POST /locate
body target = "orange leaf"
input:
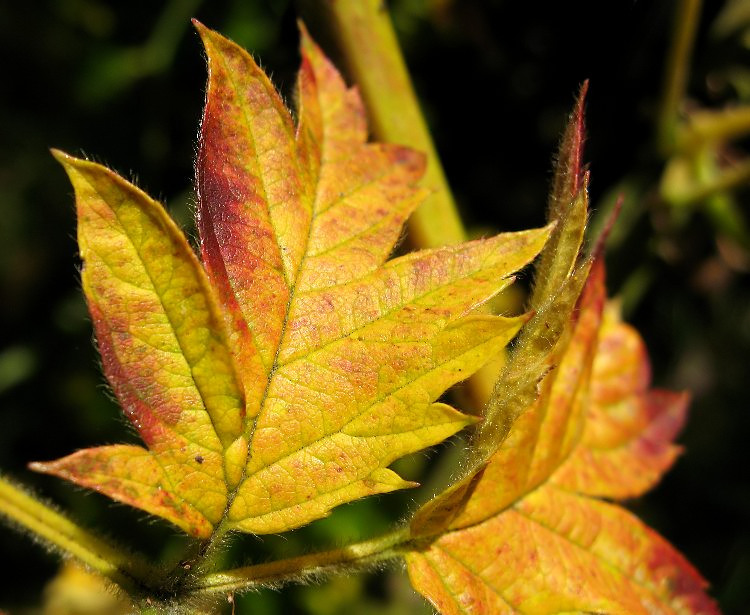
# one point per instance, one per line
(530, 537)
(628, 425)
(282, 376)
(521, 531)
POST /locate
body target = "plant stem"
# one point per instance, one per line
(687, 15)
(356, 556)
(365, 36)
(60, 533)
(709, 127)
(713, 181)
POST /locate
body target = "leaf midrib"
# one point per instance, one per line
(219, 529)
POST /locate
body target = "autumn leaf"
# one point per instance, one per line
(534, 537)
(523, 529)
(280, 376)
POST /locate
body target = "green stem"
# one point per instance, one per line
(356, 556)
(63, 535)
(365, 36)
(707, 127)
(687, 15)
(719, 181)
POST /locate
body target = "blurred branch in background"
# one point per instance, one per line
(364, 35)
(677, 70)
(702, 171)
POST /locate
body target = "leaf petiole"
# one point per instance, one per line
(303, 568)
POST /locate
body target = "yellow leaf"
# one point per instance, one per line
(283, 376)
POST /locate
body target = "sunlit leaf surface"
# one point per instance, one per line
(281, 376)
(532, 537)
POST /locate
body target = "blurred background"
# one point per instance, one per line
(123, 84)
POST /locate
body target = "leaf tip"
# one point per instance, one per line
(207, 34)
(580, 104)
(65, 159)
(43, 467)
(578, 136)
(550, 226)
(470, 420)
(304, 34)
(200, 28)
(545, 234)
(569, 169)
(72, 164)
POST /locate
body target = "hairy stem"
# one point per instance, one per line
(61, 534)
(356, 556)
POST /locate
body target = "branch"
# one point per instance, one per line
(61, 534)
(365, 36)
(687, 15)
(353, 557)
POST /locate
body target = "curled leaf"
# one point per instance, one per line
(530, 537)
(571, 419)
(559, 278)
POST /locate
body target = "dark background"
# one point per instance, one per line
(123, 83)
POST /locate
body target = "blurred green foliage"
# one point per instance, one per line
(123, 82)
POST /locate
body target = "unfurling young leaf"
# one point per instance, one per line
(533, 537)
(522, 530)
(543, 339)
(280, 377)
